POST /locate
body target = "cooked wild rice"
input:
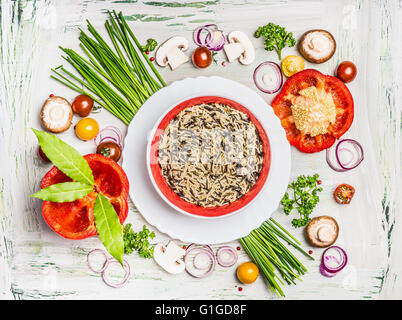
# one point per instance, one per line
(210, 154)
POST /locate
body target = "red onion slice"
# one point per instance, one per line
(203, 251)
(214, 39)
(357, 152)
(327, 261)
(276, 83)
(220, 256)
(205, 246)
(325, 273)
(110, 133)
(105, 264)
(107, 281)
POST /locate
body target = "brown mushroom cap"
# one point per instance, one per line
(313, 227)
(49, 109)
(305, 51)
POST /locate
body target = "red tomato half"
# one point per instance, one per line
(344, 109)
(75, 220)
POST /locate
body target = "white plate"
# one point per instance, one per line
(187, 228)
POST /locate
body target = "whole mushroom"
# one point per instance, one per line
(317, 45)
(322, 231)
(56, 114)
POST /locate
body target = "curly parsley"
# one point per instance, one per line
(150, 46)
(305, 198)
(276, 37)
(138, 241)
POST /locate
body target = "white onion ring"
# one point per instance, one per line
(278, 72)
(204, 251)
(344, 166)
(126, 267)
(221, 251)
(201, 245)
(105, 264)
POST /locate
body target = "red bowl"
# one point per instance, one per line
(189, 208)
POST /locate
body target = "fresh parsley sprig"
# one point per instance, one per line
(138, 241)
(305, 198)
(150, 46)
(276, 37)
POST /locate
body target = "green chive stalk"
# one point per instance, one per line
(264, 247)
(115, 76)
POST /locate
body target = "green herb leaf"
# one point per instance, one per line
(65, 157)
(138, 241)
(150, 46)
(105, 152)
(109, 229)
(276, 37)
(304, 200)
(64, 192)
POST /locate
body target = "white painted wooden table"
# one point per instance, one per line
(36, 263)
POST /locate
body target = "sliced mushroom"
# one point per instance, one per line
(56, 114)
(170, 257)
(322, 231)
(171, 52)
(317, 45)
(239, 46)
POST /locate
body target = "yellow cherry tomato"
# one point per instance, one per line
(292, 65)
(87, 129)
(247, 272)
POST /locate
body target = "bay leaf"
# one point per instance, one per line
(109, 229)
(65, 158)
(64, 192)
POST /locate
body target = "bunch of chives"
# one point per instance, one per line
(114, 76)
(270, 254)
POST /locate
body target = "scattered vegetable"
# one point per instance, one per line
(317, 45)
(348, 154)
(346, 71)
(214, 39)
(292, 65)
(118, 79)
(268, 252)
(226, 256)
(138, 241)
(171, 53)
(322, 231)
(333, 260)
(202, 57)
(82, 105)
(268, 77)
(83, 196)
(170, 257)
(276, 37)
(56, 114)
(109, 149)
(247, 272)
(106, 263)
(150, 46)
(42, 155)
(344, 193)
(87, 129)
(200, 261)
(314, 109)
(239, 47)
(305, 197)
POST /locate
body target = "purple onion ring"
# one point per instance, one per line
(341, 265)
(209, 254)
(105, 264)
(278, 72)
(126, 267)
(222, 250)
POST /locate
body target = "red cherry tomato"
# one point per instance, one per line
(42, 155)
(346, 71)
(344, 193)
(202, 57)
(109, 149)
(82, 105)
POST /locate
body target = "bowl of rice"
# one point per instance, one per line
(208, 157)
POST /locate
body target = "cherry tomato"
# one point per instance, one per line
(292, 65)
(87, 129)
(82, 105)
(247, 272)
(42, 155)
(346, 71)
(202, 57)
(109, 149)
(344, 193)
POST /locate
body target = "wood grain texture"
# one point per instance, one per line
(36, 263)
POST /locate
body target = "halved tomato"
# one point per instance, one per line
(75, 220)
(343, 102)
